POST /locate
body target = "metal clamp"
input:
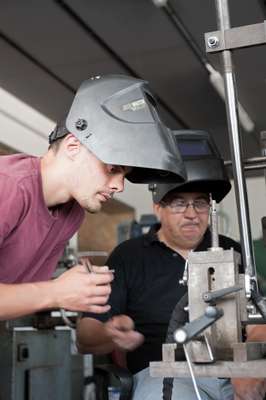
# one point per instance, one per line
(235, 38)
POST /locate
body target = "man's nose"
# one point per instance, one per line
(118, 182)
(190, 211)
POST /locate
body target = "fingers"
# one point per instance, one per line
(96, 309)
(79, 290)
(100, 270)
(94, 268)
(121, 331)
(99, 300)
(128, 340)
(122, 323)
(103, 274)
(100, 279)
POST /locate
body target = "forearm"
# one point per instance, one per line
(92, 337)
(18, 300)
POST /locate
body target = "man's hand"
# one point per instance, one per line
(249, 388)
(121, 331)
(80, 290)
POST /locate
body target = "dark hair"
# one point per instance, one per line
(57, 135)
(56, 144)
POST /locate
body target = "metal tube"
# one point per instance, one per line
(249, 161)
(189, 362)
(254, 167)
(250, 164)
(214, 227)
(235, 144)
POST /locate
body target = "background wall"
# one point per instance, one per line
(22, 127)
(257, 206)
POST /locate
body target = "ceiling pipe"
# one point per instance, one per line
(35, 61)
(215, 77)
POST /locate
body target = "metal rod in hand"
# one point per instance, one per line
(67, 321)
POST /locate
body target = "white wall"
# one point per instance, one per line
(137, 196)
(22, 127)
(256, 189)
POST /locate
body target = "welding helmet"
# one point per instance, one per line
(115, 117)
(204, 166)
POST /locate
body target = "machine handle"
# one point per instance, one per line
(193, 328)
(210, 297)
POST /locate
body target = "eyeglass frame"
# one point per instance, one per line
(186, 205)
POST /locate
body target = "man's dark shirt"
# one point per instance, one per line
(146, 288)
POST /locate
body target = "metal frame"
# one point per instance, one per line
(235, 38)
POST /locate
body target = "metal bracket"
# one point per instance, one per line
(235, 38)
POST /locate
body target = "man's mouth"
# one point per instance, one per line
(190, 226)
(106, 196)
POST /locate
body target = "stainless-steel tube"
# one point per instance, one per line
(214, 227)
(253, 161)
(250, 164)
(235, 144)
(254, 167)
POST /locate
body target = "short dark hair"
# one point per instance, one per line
(57, 135)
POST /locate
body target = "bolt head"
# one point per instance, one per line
(81, 124)
(213, 42)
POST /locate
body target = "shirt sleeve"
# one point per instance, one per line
(12, 206)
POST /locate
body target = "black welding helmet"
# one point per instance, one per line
(115, 117)
(204, 166)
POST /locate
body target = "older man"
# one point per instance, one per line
(148, 270)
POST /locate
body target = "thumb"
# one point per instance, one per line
(122, 322)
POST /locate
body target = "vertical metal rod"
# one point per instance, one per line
(191, 372)
(235, 144)
(214, 226)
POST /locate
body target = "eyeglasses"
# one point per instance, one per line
(179, 206)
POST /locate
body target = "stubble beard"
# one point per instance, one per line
(91, 206)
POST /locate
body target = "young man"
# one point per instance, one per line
(146, 287)
(106, 136)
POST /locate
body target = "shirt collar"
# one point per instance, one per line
(152, 235)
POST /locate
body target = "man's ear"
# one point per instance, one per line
(72, 146)
(156, 210)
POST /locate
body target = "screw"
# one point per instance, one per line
(81, 124)
(212, 42)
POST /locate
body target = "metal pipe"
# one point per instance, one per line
(214, 227)
(253, 163)
(254, 167)
(235, 145)
(175, 19)
(248, 161)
